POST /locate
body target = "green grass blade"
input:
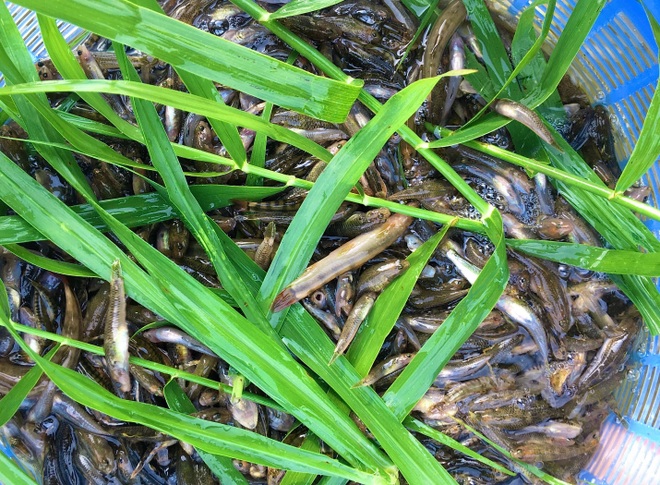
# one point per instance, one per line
(613, 222)
(291, 181)
(67, 65)
(165, 161)
(480, 80)
(332, 481)
(381, 319)
(526, 49)
(173, 372)
(299, 7)
(499, 68)
(578, 26)
(209, 436)
(419, 427)
(492, 48)
(177, 99)
(594, 186)
(92, 126)
(334, 183)
(80, 140)
(639, 289)
(243, 347)
(488, 123)
(11, 402)
(227, 133)
(52, 265)
(4, 300)
(137, 210)
(186, 47)
(647, 148)
(11, 473)
(582, 19)
(221, 466)
(19, 59)
(590, 257)
(531, 469)
(198, 311)
(326, 66)
(180, 150)
(18, 68)
(418, 7)
(429, 15)
(644, 294)
(258, 154)
(420, 373)
(521, 51)
(525, 56)
(617, 225)
(309, 342)
(311, 443)
(176, 399)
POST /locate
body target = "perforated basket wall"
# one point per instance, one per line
(618, 68)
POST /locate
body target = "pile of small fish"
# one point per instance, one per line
(536, 377)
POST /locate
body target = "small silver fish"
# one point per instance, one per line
(115, 337)
(521, 113)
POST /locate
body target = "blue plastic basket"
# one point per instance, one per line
(618, 68)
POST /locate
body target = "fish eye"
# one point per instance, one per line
(365, 16)
(218, 27)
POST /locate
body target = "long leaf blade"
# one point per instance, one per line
(617, 225)
(299, 7)
(137, 210)
(177, 99)
(11, 402)
(52, 265)
(610, 261)
(168, 166)
(221, 466)
(382, 317)
(647, 148)
(334, 184)
(209, 436)
(580, 22)
(11, 473)
(231, 64)
(417, 377)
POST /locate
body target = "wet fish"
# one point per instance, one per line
(358, 313)
(344, 294)
(439, 35)
(377, 277)
(176, 336)
(456, 62)
(510, 306)
(351, 255)
(521, 113)
(385, 368)
(115, 337)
